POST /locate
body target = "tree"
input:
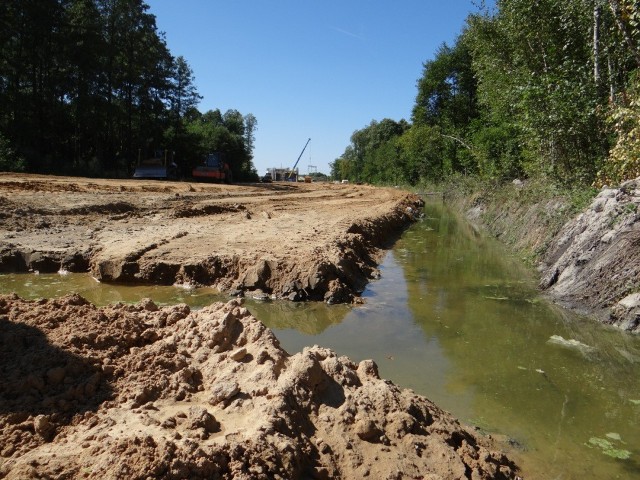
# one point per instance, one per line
(9, 161)
(251, 125)
(534, 62)
(88, 86)
(623, 162)
(226, 133)
(447, 98)
(183, 94)
(423, 154)
(372, 155)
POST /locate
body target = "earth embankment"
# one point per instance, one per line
(288, 240)
(589, 262)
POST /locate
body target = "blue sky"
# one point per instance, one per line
(317, 69)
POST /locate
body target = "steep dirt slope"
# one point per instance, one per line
(588, 262)
(594, 261)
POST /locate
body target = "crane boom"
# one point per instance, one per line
(299, 157)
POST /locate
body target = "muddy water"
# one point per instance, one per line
(456, 319)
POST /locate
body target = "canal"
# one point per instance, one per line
(459, 320)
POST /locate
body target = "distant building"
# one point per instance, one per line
(283, 174)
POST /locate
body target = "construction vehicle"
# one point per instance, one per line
(158, 167)
(213, 168)
(292, 177)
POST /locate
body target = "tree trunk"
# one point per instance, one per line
(596, 44)
(616, 8)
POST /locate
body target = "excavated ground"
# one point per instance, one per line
(139, 392)
(590, 262)
(288, 240)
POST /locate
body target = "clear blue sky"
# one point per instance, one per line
(317, 69)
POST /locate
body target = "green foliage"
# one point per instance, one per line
(447, 89)
(226, 133)
(624, 158)
(89, 86)
(497, 150)
(422, 153)
(535, 68)
(522, 93)
(373, 154)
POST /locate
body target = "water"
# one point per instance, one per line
(457, 319)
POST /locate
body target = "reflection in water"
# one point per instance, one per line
(306, 319)
(31, 286)
(456, 319)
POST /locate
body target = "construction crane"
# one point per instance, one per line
(296, 164)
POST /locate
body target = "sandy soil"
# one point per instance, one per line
(138, 392)
(289, 240)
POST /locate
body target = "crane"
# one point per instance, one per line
(299, 157)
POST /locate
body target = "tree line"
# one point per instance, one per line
(90, 87)
(546, 88)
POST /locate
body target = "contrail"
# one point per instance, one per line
(351, 34)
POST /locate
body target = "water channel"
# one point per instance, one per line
(457, 319)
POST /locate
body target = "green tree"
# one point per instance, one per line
(9, 161)
(535, 66)
(371, 154)
(85, 89)
(447, 98)
(423, 154)
(226, 133)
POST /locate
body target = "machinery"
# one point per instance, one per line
(157, 167)
(292, 177)
(213, 168)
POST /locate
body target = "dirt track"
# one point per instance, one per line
(289, 240)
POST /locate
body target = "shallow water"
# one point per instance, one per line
(457, 319)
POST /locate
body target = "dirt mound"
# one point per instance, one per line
(185, 211)
(146, 392)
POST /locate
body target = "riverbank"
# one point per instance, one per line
(138, 391)
(288, 240)
(587, 250)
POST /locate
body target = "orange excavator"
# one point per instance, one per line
(213, 168)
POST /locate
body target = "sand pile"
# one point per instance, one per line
(137, 391)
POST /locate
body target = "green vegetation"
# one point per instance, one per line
(607, 446)
(546, 89)
(89, 87)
